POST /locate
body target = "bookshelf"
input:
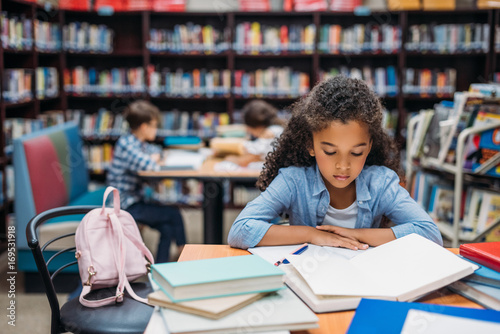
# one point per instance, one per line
(142, 41)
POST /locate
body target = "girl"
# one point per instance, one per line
(262, 125)
(334, 171)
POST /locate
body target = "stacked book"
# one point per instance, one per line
(426, 82)
(221, 295)
(344, 5)
(483, 286)
(47, 83)
(309, 5)
(17, 83)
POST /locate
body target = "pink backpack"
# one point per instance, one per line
(110, 252)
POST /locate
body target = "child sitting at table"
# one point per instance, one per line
(133, 154)
(334, 171)
(262, 125)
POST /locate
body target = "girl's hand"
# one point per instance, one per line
(325, 238)
(349, 233)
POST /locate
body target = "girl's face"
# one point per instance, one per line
(341, 151)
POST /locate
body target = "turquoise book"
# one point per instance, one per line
(209, 278)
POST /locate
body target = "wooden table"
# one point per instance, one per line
(213, 192)
(329, 323)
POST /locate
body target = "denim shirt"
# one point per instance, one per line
(301, 193)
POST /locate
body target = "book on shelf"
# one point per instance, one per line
(212, 308)
(441, 203)
(371, 316)
(484, 253)
(460, 118)
(280, 310)
(435, 132)
(209, 278)
(485, 295)
(332, 279)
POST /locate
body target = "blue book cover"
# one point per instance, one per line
(207, 278)
(382, 316)
(483, 275)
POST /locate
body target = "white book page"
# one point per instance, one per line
(405, 268)
(418, 322)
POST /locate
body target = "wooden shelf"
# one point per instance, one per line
(363, 54)
(163, 54)
(130, 53)
(18, 52)
(435, 54)
(10, 105)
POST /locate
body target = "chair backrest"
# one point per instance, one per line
(49, 170)
(42, 264)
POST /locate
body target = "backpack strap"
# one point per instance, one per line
(116, 200)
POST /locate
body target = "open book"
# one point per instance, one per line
(331, 279)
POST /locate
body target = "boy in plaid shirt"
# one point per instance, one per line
(133, 154)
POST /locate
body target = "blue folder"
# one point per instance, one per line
(382, 316)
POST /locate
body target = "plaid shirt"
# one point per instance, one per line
(129, 157)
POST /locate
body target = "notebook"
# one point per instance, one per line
(219, 277)
(281, 310)
(389, 317)
(485, 253)
(213, 308)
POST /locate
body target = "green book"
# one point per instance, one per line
(209, 278)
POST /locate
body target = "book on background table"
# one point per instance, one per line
(484, 253)
(219, 277)
(388, 317)
(281, 310)
(213, 308)
(332, 279)
(484, 275)
(481, 294)
(182, 160)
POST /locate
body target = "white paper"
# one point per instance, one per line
(418, 322)
(404, 268)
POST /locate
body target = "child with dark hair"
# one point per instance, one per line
(133, 154)
(263, 125)
(335, 172)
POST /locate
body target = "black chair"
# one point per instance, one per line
(130, 316)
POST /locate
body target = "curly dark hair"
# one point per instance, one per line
(335, 99)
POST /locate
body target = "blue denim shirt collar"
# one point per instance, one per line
(362, 192)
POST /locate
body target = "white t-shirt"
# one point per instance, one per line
(342, 218)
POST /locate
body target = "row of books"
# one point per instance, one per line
(359, 38)
(47, 82)
(17, 85)
(448, 38)
(16, 127)
(271, 82)
(189, 38)
(430, 82)
(86, 37)
(47, 36)
(105, 123)
(82, 81)
(16, 32)
(255, 38)
(382, 80)
(196, 83)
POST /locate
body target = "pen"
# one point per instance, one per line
(298, 251)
